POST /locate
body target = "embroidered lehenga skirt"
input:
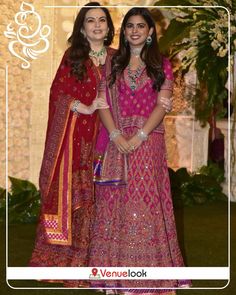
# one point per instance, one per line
(134, 224)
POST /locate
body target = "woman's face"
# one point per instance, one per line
(95, 25)
(136, 31)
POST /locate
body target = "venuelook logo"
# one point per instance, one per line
(94, 274)
(104, 273)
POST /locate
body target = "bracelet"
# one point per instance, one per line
(114, 134)
(142, 135)
(75, 106)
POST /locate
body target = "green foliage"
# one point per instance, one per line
(197, 188)
(213, 170)
(23, 202)
(200, 35)
(171, 3)
(175, 33)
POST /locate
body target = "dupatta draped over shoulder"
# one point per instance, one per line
(66, 175)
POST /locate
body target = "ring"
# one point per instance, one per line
(133, 147)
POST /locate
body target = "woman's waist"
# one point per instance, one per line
(138, 122)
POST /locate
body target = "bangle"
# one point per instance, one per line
(114, 134)
(75, 106)
(142, 135)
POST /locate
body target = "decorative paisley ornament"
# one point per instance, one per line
(30, 38)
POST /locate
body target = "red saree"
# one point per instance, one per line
(66, 176)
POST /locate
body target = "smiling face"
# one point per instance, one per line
(95, 26)
(136, 31)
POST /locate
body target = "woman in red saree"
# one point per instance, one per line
(66, 179)
(134, 223)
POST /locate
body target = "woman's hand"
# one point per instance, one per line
(98, 103)
(134, 142)
(122, 144)
(167, 103)
(80, 108)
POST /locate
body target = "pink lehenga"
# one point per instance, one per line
(134, 224)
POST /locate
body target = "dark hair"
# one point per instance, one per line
(80, 47)
(150, 54)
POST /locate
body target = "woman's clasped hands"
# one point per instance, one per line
(127, 146)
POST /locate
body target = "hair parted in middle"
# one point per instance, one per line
(150, 54)
(80, 47)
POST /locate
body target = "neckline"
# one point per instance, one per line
(100, 65)
(139, 85)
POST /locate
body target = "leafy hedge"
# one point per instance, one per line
(23, 202)
(197, 188)
(188, 189)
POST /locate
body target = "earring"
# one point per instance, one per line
(106, 37)
(83, 33)
(126, 41)
(149, 40)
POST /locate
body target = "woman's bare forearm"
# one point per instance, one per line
(107, 119)
(154, 119)
(157, 114)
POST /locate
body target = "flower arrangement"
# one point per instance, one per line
(204, 39)
(200, 38)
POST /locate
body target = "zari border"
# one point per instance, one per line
(47, 179)
(58, 227)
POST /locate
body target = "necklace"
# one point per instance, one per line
(134, 75)
(98, 56)
(136, 51)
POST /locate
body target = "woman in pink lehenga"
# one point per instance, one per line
(134, 224)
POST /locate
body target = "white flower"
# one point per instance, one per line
(222, 52)
(215, 44)
(235, 43)
(233, 30)
(220, 37)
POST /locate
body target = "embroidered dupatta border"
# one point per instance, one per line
(58, 226)
(56, 139)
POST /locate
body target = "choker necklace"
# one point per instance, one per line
(136, 51)
(97, 54)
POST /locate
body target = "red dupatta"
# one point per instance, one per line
(60, 154)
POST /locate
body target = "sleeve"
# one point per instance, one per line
(169, 77)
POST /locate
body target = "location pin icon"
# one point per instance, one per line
(94, 271)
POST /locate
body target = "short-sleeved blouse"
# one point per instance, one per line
(136, 106)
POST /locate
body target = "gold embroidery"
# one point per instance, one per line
(86, 148)
(53, 224)
(56, 142)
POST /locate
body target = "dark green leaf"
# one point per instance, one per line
(172, 3)
(175, 33)
(19, 185)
